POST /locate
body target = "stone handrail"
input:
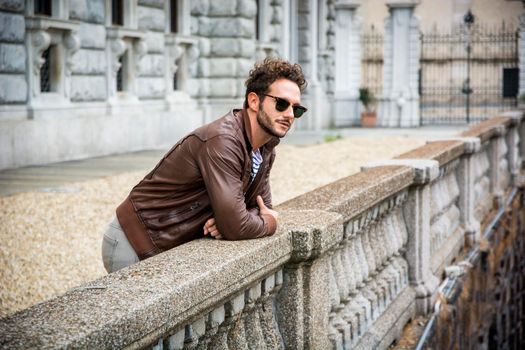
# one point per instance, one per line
(350, 264)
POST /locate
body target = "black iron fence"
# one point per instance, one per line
(456, 87)
(372, 60)
(445, 67)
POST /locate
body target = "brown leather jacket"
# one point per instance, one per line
(204, 175)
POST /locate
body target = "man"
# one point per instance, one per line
(215, 181)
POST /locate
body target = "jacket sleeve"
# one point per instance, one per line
(221, 164)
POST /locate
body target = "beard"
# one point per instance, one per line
(264, 121)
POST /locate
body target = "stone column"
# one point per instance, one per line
(347, 63)
(303, 303)
(521, 48)
(417, 218)
(399, 104)
(314, 98)
(515, 141)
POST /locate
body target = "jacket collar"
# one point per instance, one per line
(247, 128)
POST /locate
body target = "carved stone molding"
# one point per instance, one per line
(42, 33)
(118, 47)
(41, 41)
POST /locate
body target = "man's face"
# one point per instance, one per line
(271, 120)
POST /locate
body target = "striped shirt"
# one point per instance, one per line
(256, 163)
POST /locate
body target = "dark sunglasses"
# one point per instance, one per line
(282, 105)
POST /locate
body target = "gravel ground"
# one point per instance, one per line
(50, 242)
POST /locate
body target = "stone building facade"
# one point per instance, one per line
(83, 78)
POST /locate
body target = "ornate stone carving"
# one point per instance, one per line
(72, 45)
(118, 47)
(41, 41)
(140, 48)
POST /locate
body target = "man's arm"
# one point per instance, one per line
(210, 226)
(220, 163)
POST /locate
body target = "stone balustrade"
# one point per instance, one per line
(351, 263)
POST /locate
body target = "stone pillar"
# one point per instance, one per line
(521, 48)
(347, 63)
(314, 98)
(417, 218)
(303, 303)
(515, 144)
(399, 104)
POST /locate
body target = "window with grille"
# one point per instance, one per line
(174, 12)
(258, 20)
(175, 83)
(43, 7)
(117, 12)
(45, 71)
(120, 85)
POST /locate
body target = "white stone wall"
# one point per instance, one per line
(152, 18)
(88, 80)
(226, 31)
(211, 56)
(13, 85)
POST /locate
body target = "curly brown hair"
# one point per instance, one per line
(271, 69)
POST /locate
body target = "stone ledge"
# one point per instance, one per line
(355, 194)
(441, 151)
(153, 296)
(314, 234)
(489, 128)
(425, 170)
(156, 296)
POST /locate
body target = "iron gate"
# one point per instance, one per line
(372, 61)
(445, 67)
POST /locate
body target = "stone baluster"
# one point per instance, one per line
(400, 229)
(340, 274)
(334, 322)
(378, 285)
(357, 310)
(390, 275)
(351, 308)
(361, 258)
(369, 254)
(234, 323)
(513, 144)
(363, 262)
(270, 287)
(213, 320)
(403, 227)
(364, 303)
(342, 287)
(219, 334)
(494, 168)
(194, 333)
(351, 270)
(503, 163)
(394, 266)
(252, 325)
(368, 289)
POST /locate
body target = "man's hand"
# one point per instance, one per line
(211, 229)
(263, 209)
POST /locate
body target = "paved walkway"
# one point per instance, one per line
(52, 177)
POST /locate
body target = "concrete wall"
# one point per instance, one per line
(350, 264)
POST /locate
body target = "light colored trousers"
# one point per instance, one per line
(117, 252)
